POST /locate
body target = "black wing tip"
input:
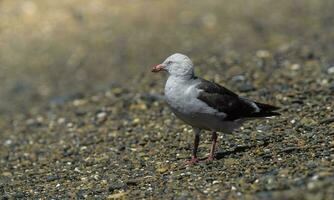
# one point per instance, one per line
(265, 114)
(273, 114)
(267, 110)
(266, 107)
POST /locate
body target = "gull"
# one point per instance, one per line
(206, 105)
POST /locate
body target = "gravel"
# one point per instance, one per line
(61, 140)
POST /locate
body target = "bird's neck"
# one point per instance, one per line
(186, 77)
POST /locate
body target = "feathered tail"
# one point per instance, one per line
(266, 110)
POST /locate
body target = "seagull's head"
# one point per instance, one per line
(176, 65)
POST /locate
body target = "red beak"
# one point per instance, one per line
(158, 68)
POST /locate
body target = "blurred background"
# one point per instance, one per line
(81, 114)
(53, 50)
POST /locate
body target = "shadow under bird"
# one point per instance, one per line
(205, 105)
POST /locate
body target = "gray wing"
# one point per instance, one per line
(235, 107)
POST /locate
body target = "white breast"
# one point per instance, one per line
(182, 95)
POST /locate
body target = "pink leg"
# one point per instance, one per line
(194, 158)
(213, 147)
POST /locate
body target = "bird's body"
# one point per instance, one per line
(182, 97)
(206, 105)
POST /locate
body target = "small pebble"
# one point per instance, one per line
(262, 53)
(330, 70)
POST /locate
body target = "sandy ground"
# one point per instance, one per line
(82, 117)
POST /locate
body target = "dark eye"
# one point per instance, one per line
(169, 62)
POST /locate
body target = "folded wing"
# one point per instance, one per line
(235, 107)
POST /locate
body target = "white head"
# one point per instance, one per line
(176, 65)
